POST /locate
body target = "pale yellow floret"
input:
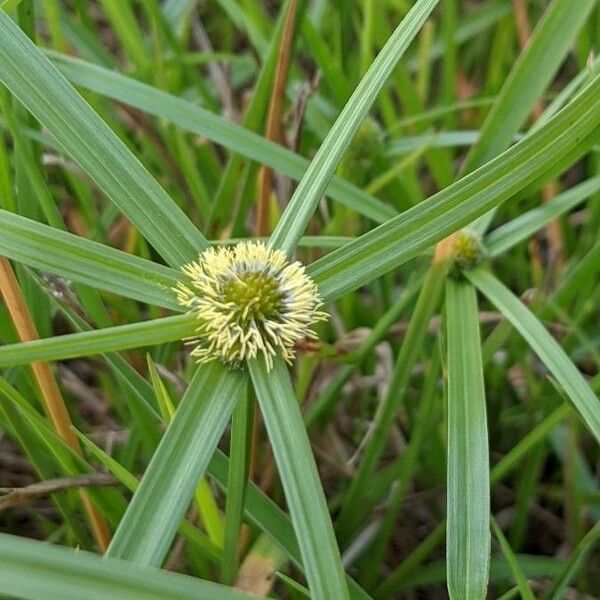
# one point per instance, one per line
(235, 329)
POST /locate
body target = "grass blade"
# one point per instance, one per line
(468, 502)
(513, 563)
(574, 564)
(300, 479)
(512, 233)
(197, 120)
(84, 261)
(533, 71)
(292, 223)
(157, 508)
(237, 481)
(530, 75)
(544, 345)
(38, 84)
(405, 236)
(39, 571)
(99, 341)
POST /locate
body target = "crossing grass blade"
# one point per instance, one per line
(405, 236)
(99, 341)
(196, 119)
(295, 218)
(468, 502)
(84, 261)
(544, 345)
(39, 571)
(511, 559)
(237, 482)
(533, 71)
(38, 84)
(521, 228)
(427, 302)
(152, 518)
(574, 563)
(300, 479)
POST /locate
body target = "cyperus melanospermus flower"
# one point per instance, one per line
(248, 299)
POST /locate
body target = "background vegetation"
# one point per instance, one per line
(441, 437)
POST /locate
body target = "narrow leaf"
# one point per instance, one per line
(158, 506)
(544, 345)
(293, 222)
(300, 479)
(513, 563)
(84, 261)
(405, 236)
(198, 120)
(468, 502)
(40, 86)
(508, 235)
(39, 571)
(99, 341)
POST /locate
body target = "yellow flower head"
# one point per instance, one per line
(249, 299)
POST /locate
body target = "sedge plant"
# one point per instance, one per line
(129, 227)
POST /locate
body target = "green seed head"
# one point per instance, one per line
(467, 251)
(256, 297)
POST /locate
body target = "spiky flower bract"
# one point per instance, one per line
(249, 300)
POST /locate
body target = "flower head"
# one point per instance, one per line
(467, 250)
(249, 299)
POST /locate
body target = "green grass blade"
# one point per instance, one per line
(191, 533)
(84, 261)
(405, 236)
(533, 71)
(39, 571)
(512, 233)
(157, 508)
(208, 510)
(197, 120)
(99, 341)
(38, 84)
(544, 345)
(127, 31)
(299, 211)
(354, 501)
(530, 75)
(468, 502)
(237, 480)
(300, 479)
(513, 563)
(574, 563)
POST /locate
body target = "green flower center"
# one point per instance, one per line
(257, 296)
(467, 249)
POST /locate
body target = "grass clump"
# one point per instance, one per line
(383, 215)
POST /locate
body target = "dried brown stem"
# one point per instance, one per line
(50, 392)
(23, 495)
(273, 130)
